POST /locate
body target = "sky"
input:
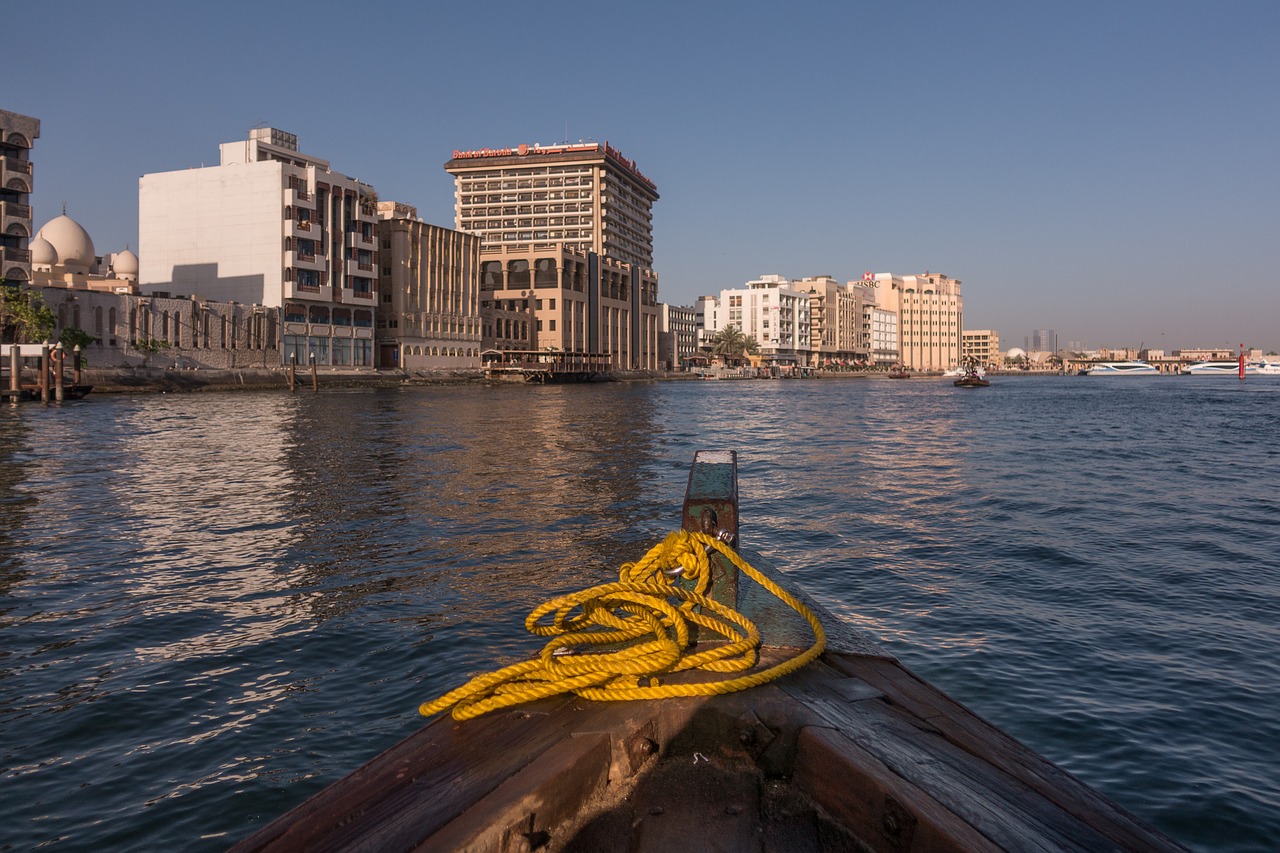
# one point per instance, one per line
(1107, 170)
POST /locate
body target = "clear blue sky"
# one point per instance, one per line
(1105, 169)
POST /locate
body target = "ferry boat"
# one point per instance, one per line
(848, 751)
(1213, 368)
(1120, 368)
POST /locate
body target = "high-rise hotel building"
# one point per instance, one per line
(568, 231)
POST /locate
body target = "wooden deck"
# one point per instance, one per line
(853, 752)
(546, 366)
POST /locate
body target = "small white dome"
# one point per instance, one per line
(42, 252)
(72, 242)
(1016, 352)
(125, 263)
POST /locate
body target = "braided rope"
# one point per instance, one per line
(615, 641)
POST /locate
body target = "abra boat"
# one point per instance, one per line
(850, 751)
(971, 380)
(1121, 368)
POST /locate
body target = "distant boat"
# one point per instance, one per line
(971, 380)
(1262, 367)
(1120, 368)
(1252, 367)
(898, 372)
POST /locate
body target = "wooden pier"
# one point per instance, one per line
(38, 372)
(546, 366)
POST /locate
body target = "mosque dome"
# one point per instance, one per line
(125, 264)
(42, 252)
(71, 241)
(1016, 352)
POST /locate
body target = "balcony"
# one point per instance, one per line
(301, 228)
(14, 170)
(12, 211)
(298, 196)
(305, 260)
(14, 255)
(356, 240)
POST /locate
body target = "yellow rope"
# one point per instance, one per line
(614, 641)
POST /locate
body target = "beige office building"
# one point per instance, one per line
(929, 309)
(568, 231)
(18, 134)
(836, 328)
(983, 345)
(428, 293)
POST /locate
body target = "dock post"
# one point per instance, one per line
(58, 392)
(75, 365)
(44, 373)
(15, 374)
(315, 381)
(293, 371)
(711, 507)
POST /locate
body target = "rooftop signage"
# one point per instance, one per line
(536, 150)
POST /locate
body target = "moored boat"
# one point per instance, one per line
(1215, 369)
(1121, 368)
(1263, 367)
(851, 751)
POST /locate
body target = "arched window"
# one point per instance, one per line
(544, 274)
(491, 275)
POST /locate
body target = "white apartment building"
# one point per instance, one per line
(884, 335)
(677, 335)
(269, 226)
(769, 309)
(929, 309)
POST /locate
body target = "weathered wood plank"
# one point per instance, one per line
(431, 777)
(949, 751)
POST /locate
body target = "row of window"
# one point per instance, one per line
(327, 352)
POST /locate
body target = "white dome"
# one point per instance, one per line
(125, 263)
(1016, 352)
(42, 252)
(72, 242)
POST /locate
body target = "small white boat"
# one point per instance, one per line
(1262, 367)
(1121, 368)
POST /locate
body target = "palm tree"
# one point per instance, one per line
(730, 342)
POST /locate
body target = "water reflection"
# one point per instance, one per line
(214, 604)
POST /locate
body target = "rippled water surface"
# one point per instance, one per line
(211, 606)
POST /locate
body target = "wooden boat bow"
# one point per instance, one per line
(852, 752)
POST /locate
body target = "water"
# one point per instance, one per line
(213, 605)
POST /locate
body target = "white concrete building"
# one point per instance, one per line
(268, 226)
(884, 336)
(769, 309)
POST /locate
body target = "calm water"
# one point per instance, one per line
(211, 606)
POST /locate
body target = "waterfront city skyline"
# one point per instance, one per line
(1103, 170)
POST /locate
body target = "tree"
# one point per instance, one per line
(24, 318)
(730, 342)
(72, 337)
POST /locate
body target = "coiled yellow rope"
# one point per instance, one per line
(637, 630)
